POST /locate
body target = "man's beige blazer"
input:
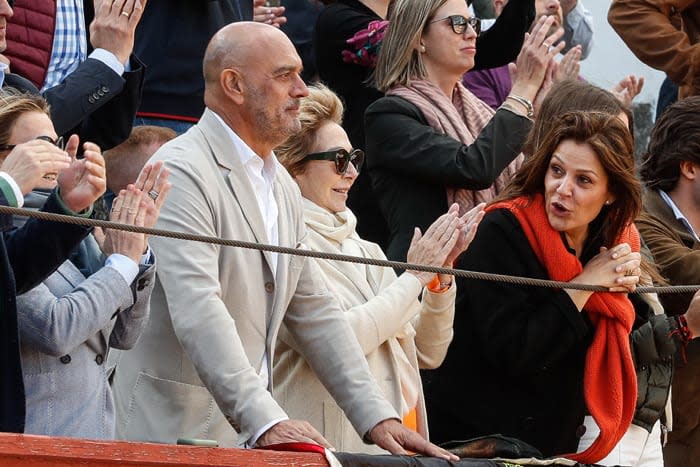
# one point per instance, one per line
(215, 310)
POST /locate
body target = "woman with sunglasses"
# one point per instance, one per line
(429, 141)
(398, 333)
(68, 323)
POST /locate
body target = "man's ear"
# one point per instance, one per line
(232, 85)
(689, 170)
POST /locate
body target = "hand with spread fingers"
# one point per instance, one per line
(535, 57)
(628, 88)
(292, 431)
(28, 162)
(114, 26)
(470, 221)
(391, 435)
(84, 180)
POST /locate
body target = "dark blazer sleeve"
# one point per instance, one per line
(39, 247)
(501, 43)
(96, 103)
(111, 124)
(399, 139)
(521, 329)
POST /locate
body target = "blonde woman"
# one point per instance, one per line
(398, 334)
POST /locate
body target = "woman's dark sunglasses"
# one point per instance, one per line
(342, 158)
(459, 23)
(59, 143)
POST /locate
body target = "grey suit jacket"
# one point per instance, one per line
(67, 325)
(216, 310)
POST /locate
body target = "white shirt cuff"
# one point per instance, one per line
(254, 439)
(15, 188)
(109, 59)
(125, 266)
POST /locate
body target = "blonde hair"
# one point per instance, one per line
(14, 104)
(321, 106)
(399, 61)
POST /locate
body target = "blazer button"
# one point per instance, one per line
(141, 284)
(104, 89)
(269, 287)
(65, 359)
(91, 99)
(99, 359)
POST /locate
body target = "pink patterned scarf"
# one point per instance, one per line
(461, 118)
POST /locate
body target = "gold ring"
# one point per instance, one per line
(546, 45)
(124, 13)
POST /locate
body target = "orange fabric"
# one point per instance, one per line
(435, 286)
(610, 382)
(410, 420)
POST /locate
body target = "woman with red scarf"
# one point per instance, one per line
(531, 362)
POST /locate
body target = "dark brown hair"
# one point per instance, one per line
(611, 141)
(675, 138)
(570, 96)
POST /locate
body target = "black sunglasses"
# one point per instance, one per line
(59, 143)
(342, 158)
(459, 23)
(11, 3)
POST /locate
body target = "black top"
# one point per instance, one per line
(515, 365)
(337, 23)
(410, 164)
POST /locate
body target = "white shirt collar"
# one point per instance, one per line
(678, 213)
(247, 156)
(3, 69)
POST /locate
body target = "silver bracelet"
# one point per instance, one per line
(527, 103)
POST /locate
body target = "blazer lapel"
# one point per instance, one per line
(225, 155)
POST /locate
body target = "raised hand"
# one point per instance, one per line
(84, 180)
(534, 58)
(569, 66)
(628, 88)
(153, 183)
(292, 431)
(470, 221)
(273, 15)
(391, 435)
(28, 162)
(433, 247)
(131, 207)
(114, 26)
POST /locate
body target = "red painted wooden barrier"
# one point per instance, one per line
(30, 450)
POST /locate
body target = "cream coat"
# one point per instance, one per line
(389, 322)
(216, 310)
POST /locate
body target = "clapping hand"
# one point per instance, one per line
(84, 180)
(28, 162)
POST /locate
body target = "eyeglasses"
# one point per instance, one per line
(342, 158)
(459, 23)
(59, 143)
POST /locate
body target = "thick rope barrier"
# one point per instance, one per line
(526, 281)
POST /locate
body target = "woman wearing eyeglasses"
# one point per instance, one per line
(397, 333)
(429, 141)
(68, 323)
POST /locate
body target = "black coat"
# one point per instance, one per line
(27, 256)
(515, 365)
(410, 164)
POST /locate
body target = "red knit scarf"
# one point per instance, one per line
(609, 380)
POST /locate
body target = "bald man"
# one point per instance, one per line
(202, 368)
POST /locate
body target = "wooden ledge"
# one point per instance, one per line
(32, 450)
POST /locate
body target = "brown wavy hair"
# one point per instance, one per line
(13, 104)
(611, 141)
